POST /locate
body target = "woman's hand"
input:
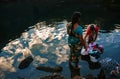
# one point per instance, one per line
(85, 47)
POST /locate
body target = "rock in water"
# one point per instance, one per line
(57, 76)
(26, 62)
(50, 69)
(101, 74)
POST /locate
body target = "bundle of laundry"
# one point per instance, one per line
(94, 50)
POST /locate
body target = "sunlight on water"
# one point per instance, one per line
(49, 41)
(110, 38)
(38, 59)
(47, 46)
(6, 64)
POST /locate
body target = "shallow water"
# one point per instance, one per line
(48, 46)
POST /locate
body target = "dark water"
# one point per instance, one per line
(17, 17)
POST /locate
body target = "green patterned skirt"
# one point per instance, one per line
(75, 50)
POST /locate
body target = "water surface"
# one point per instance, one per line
(48, 45)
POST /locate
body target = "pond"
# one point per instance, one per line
(47, 44)
(46, 41)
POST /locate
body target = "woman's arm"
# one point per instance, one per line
(83, 42)
(87, 33)
(96, 32)
(85, 37)
(96, 36)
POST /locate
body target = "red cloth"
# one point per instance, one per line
(96, 29)
(90, 36)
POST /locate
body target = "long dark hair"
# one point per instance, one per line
(75, 18)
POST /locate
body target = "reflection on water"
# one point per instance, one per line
(48, 46)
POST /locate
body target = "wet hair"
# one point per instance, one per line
(75, 18)
(92, 28)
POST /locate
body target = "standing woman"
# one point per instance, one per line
(75, 38)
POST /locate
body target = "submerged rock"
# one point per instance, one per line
(53, 77)
(26, 62)
(50, 69)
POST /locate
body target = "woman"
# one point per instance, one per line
(75, 38)
(92, 33)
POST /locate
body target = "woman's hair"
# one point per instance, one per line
(75, 18)
(92, 28)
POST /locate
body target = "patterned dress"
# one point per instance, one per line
(74, 40)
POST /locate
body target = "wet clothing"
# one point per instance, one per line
(74, 40)
(91, 34)
(95, 49)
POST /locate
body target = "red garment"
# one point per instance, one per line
(91, 36)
